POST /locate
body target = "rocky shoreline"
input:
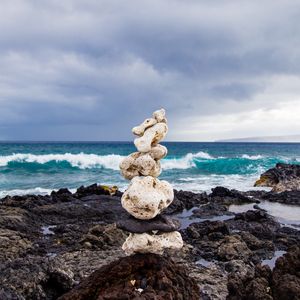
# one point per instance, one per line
(49, 244)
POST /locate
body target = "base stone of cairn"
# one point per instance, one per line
(140, 276)
(147, 196)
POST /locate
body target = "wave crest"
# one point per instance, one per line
(252, 157)
(112, 161)
(185, 162)
(81, 160)
(89, 161)
(21, 192)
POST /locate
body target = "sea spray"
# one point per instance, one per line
(41, 167)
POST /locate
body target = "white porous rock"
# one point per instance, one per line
(152, 243)
(152, 136)
(140, 164)
(160, 115)
(146, 197)
(139, 130)
(158, 152)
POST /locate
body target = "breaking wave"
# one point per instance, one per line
(21, 192)
(89, 161)
(200, 160)
(81, 160)
(185, 162)
(253, 157)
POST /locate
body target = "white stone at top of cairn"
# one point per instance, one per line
(145, 162)
(151, 131)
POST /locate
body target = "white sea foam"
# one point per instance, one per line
(81, 160)
(184, 162)
(88, 161)
(204, 183)
(20, 192)
(252, 157)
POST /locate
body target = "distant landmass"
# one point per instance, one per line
(266, 139)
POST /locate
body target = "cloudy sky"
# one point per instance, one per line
(92, 69)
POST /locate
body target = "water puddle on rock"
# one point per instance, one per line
(204, 263)
(47, 230)
(287, 215)
(271, 262)
(186, 218)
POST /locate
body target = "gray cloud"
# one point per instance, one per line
(83, 70)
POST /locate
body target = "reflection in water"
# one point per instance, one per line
(284, 213)
(203, 262)
(271, 262)
(186, 218)
(47, 230)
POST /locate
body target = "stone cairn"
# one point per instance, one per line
(147, 196)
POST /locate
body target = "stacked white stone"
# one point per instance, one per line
(146, 195)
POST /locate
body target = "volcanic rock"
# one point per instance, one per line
(286, 197)
(95, 189)
(281, 284)
(286, 275)
(284, 177)
(141, 276)
(160, 223)
(227, 197)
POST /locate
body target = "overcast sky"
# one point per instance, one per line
(92, 69)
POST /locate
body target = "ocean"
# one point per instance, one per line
(40, 167)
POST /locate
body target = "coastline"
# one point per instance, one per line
(50, 243)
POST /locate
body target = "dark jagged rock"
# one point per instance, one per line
(141, 276)
(207, 228)
(286, 275)
(49, 243)
(233, 247)
(95, 189)
(211, 209)
(286, 197)
(227, 197)
(252, 285)
(206, 237)
(34, 278)
(186, 200)
(257, 222)
(63, 195)
(283, 283)
(283, 177)
(161, 223)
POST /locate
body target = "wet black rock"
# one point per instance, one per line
(227, 197)
(257, 222)
(50, 243)
(186, 200)
(205, 237)
(286, 197)
(283, 177)
(63, 195)
(283, 283)
(161, 223)
(95, 189)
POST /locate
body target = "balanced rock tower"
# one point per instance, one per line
(144, 273)
(147, 196)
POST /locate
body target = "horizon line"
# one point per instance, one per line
(130, 141)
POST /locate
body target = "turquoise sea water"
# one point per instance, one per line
(42, 167)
